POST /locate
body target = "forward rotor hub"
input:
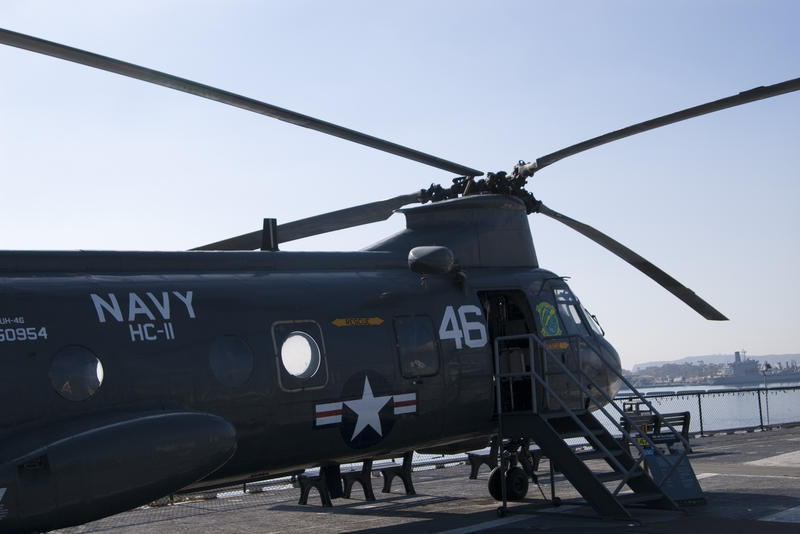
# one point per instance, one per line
(497, 183)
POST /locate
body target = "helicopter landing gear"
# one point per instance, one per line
(520, 468)
(516, 484)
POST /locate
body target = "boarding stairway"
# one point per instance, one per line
(545, 395)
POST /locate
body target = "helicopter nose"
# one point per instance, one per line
(604, 366)
(614, 371)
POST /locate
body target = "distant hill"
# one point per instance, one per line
(772, 359)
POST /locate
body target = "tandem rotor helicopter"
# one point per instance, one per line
(146, 373)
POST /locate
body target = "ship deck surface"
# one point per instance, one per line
(751, 482)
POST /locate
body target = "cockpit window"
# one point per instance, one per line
(568, 305)
(593, 323)
(564, 295)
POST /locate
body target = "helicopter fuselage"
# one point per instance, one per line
(201, 368)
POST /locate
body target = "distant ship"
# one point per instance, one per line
(743, 371)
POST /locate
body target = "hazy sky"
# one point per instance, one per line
(93, 160)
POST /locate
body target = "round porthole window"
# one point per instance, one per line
(300, 355)
(231, 360)
(76, 373)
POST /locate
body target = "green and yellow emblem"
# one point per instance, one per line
(548, 318)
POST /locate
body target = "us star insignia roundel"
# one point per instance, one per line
(367, 411)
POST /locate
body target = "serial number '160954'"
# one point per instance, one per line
(31, 333)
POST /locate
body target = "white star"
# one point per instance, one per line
(367, 408)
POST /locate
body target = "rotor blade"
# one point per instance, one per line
(320, 224)
(736, 100)
(670, 284)
(34, 44)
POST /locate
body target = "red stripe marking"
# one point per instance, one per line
(405, 403)
(330, 413)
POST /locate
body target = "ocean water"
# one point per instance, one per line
(723, 407)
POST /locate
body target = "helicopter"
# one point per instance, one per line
(147, 373)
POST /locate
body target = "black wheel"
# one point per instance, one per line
(494, 484)
(516, 484)
(556, 501)
(501, 511)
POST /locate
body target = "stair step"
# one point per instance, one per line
(593, 455)
(562, 414)
(609, 476)
(636, 498)
(578, 433)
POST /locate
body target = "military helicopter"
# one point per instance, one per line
(146, 373)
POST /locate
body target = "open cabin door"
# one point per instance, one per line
(509, 314)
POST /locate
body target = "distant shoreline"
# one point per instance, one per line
(772, 359)
(701, 388)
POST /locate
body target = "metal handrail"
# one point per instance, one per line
(619, 375)
(706, 391)
(586, 393)
(636, 392)
(642, 454)
(599, 405)
(575, 379)
(547, 387)
(661, 420)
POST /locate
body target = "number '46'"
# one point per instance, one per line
(459, 328)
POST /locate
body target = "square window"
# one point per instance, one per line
(416, 346)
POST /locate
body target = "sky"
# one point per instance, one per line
(92, 160)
